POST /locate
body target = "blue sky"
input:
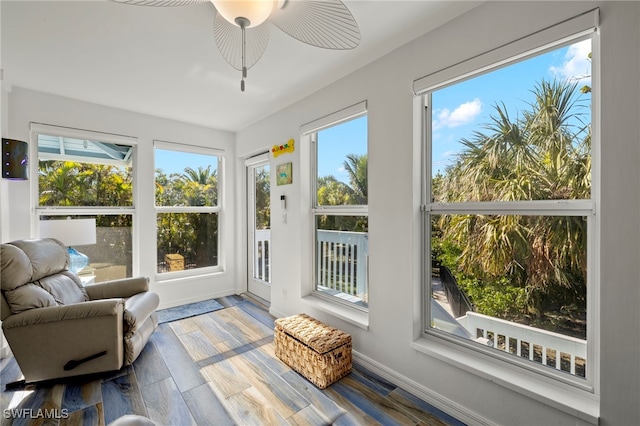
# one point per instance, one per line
(175, 162)
(335, 143)
(458, 110)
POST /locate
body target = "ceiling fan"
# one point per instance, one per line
(241, 27)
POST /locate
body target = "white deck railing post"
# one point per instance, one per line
(262, 255)
(556, 343)
(341, 259)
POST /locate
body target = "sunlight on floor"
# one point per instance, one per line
(18, 397)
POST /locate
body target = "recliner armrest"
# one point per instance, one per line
(138, 308)
(90, 309)
(124, 288)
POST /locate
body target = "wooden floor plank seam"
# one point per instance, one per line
(233, 352)
(219, 368)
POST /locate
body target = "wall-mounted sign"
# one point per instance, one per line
(282, 149)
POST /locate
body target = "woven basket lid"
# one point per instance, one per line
(318, 336)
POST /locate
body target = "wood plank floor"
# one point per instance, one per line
(216, 369)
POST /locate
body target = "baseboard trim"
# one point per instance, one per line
(415, 388)
(276, 313)
(256, 300)
(186, 301)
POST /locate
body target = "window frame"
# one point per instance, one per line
(36, 129)
(217, 209)
(575, 395)
(251, 165)
(311, 130)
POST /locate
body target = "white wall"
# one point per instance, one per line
(393, 209)
(27, 106)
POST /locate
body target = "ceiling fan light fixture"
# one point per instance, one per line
(242, 39)
(254, 11)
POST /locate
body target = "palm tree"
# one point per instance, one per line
(69, 183)
(356, 166)
(332, 192)
(203, 176)
(199, 187)
(262, 195)
(57, 183)
(543, 155)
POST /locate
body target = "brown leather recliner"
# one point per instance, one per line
(58, 328)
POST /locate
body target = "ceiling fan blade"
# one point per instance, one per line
(323, 23)
(229, 41)
(160, 2)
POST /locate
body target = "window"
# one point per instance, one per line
(509, 216)
(89, 175)
(340, 207)
(187, 207)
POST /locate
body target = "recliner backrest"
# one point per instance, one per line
(47, 256)
(34, 275)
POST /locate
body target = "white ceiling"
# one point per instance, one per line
(164, 62)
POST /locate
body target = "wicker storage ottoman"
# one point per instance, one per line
(319, 352)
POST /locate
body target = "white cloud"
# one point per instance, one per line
(576, 65)
(463, 114)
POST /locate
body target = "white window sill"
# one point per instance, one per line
(187, 274)
(353, 316)
(564, 397)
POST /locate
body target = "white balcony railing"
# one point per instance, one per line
(342, 261)
(262, 255)
(553, 349)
